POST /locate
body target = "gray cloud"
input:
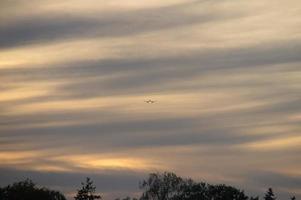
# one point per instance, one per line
(48, 29)
(124, 133)
(263, 76)
(120, 181)
(167, 73)
(126, 182)
(272, 179)
(282, 184)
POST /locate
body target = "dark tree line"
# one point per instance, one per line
(27, 190)
(158, 186)
(169, 186)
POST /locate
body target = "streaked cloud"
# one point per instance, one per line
(225, 74)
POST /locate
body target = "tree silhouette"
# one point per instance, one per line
(269, 195)
(223, 192)
(127, 198)
(161, 186)
(192, 190)
(168, 186)
(27, 190)
(158, 186)
(87, 192)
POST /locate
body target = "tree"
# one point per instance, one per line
(168, 186)
(269, 195)
(87, 192)
(161, 186)
(191, 190)
(127, 198)
(27, 190)
(224, 192)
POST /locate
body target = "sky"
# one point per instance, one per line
(225, 75)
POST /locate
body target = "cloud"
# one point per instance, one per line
(225, 76)
(284, 185)
(47, 28)
(106, 182)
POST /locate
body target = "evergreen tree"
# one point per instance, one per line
(269, 195)
(87, 192)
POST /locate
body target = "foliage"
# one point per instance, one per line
(158, 186)
(161, 186)
(27, 190)
(169, 186)
(87, 192)
(126, 198)
(223, 192)
(269, 195)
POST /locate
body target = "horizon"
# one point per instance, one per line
(115, 90)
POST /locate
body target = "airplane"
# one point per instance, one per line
(150, 101)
